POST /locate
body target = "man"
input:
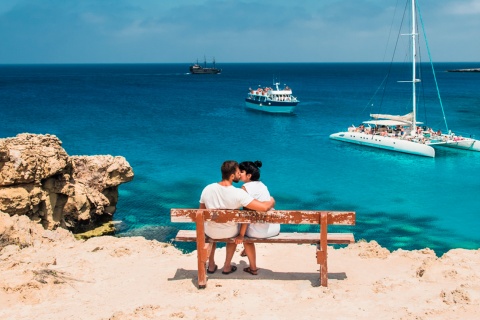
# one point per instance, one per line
(223, 195)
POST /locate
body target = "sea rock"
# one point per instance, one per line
(39, 180)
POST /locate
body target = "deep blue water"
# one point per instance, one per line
(175, 130)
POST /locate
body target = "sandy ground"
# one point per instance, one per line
(57, 277)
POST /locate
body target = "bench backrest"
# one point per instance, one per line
(273, 216)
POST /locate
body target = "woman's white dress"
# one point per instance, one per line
(259, 191)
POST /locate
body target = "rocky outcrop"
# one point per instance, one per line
(39, 180)
(23, 232)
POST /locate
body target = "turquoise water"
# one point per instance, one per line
(175, 130)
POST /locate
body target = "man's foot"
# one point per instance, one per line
(232, 270)
(251, 271)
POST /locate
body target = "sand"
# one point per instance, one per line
(49, 275)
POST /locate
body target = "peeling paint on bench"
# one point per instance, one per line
(274, 216)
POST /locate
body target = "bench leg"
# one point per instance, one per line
(202, 257)
(322, 250)
(202, 251)
(322, 261)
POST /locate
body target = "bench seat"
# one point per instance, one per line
(283, 237)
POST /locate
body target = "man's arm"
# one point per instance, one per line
(261, 205)
(202, 206)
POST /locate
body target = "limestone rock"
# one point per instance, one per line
(101, 172)
(21, 231)
(38, 179)
(30, 158)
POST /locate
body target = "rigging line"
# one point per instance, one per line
(431, 63)
(390, 31)
(369, 103)
(385, 80)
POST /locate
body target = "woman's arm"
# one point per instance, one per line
(241, 235)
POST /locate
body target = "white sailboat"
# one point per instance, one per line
(403, 133)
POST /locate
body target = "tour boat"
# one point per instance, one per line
(403, 133)
(273, 100)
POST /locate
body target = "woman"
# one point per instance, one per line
(250, 175)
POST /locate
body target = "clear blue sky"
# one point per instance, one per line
(158, 31)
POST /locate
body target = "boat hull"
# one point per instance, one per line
(205, 71)
(385, 142)
(271, 106)
(467, 144)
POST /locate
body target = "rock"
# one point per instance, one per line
(15, 200)
(107, 228)
(38, 179)
(30, 158)
(101, 172)
(23, 232)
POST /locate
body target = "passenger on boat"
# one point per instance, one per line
(398, 130)
(382, 129)
(361, 128)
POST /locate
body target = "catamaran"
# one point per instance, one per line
(403, 133)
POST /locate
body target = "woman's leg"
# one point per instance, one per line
(251, 254)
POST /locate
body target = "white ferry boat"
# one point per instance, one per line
(271, 100)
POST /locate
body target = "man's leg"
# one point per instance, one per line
(211, 258)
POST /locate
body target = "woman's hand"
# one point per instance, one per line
(239, 239)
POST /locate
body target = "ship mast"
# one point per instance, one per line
(414, 75)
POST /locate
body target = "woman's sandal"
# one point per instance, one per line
(232, 270)
(243, 253)
(251, 271)
(213, 271)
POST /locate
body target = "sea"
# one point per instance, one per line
(175, 129)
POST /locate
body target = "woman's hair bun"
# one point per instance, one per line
(258, 163)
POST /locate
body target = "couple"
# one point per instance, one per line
(253, 195)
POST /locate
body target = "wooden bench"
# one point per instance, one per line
(322, 218)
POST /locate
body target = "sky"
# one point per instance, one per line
(179, 31)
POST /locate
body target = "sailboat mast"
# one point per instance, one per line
(414, 74)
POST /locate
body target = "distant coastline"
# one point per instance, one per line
(465, 70)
